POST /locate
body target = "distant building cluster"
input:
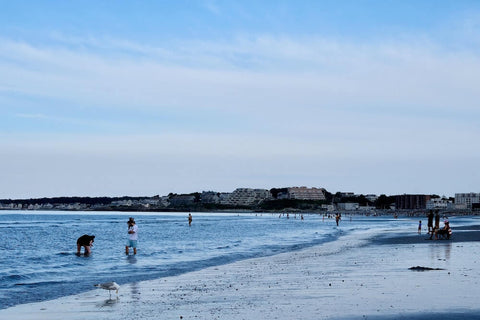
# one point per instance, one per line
(252, 198)
(462, 201)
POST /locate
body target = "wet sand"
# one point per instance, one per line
(369, 279)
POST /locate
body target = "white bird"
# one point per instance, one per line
(110, 286)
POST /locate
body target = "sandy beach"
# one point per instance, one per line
(369, 279)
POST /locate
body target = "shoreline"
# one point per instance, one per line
(354, 280)
(373, 213)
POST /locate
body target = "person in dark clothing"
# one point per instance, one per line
(430, 222)
(86, 242)
(437, 220)
(437, 225)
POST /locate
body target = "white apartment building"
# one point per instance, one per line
(466, 199)
(304, 193)
(247, 197)
(438, 203)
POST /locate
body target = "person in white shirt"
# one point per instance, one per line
(132, 236)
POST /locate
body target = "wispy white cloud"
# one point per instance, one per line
(386, 82)
(345, 80)
(304, 108)
(279, 72)
(31, 116)
(212, 7)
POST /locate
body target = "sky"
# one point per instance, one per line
(143, 98)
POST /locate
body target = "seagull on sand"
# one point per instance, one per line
(110, 286)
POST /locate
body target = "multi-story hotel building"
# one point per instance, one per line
(467, 199)
(304, 193)
(411, 201)
(247, 197)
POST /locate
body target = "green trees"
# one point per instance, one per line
(384, 202)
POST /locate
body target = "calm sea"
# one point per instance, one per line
(38, 261)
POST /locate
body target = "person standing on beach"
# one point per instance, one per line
(437, 220)
(190, 218)
(430, 222)
(132, 236)
(420, 227)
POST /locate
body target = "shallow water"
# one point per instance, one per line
(39, 261)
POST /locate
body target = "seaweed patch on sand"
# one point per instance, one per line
(419, 268)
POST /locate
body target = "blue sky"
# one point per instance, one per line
(151, 97)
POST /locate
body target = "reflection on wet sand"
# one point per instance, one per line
(108, 303)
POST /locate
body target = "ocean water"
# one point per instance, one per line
(38, 260)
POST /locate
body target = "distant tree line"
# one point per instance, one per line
(70, 200)
(383, 202)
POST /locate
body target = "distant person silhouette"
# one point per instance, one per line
(437, 220)
(430, 222)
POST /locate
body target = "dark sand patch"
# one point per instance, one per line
(459, 235)
(455, 315)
